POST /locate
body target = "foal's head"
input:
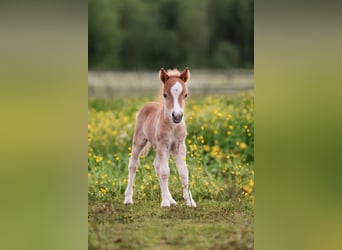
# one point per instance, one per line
(175, 92)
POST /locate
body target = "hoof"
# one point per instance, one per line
(165, 203)
(191, 203)
(128, 201)
(172, 202)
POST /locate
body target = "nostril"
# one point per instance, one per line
(177, 116)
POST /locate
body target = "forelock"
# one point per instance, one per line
(173, 73)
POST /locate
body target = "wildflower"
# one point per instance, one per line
(98, 158)
(247, 189)
(251, 183)
(103, 190)
(215, 150)
(193, 147)
(243, 145)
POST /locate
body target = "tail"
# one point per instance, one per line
(146, 149)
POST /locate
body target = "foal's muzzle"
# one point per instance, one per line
(177, 118)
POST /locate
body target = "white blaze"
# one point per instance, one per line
(176, 90)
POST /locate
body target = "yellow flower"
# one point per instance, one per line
(243, 145)
(247, 189)
(215, 150)
(103, 190)
(251, 183)
(98, 158)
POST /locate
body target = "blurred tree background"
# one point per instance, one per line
(149, 34)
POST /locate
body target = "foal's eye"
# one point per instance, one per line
(165, 95)
(186, 95)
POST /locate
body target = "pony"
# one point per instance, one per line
(161, 124)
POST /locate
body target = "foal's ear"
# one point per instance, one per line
(185, 75)
(163, 75)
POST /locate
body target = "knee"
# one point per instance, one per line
(133, 164)
(132, 168)
(164, 173)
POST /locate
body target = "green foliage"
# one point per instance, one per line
(144, 34)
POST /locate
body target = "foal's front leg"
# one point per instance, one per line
(179, 154)
(161, 164)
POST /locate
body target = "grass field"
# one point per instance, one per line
(220, 158)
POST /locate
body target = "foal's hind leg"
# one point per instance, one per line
(139, 142)
(179, 153)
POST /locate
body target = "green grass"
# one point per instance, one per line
(220, 158)
(144, 225)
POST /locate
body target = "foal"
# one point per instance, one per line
(162, 125)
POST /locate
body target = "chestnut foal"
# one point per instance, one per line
(162, 125)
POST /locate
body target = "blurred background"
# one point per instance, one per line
(213, 37)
